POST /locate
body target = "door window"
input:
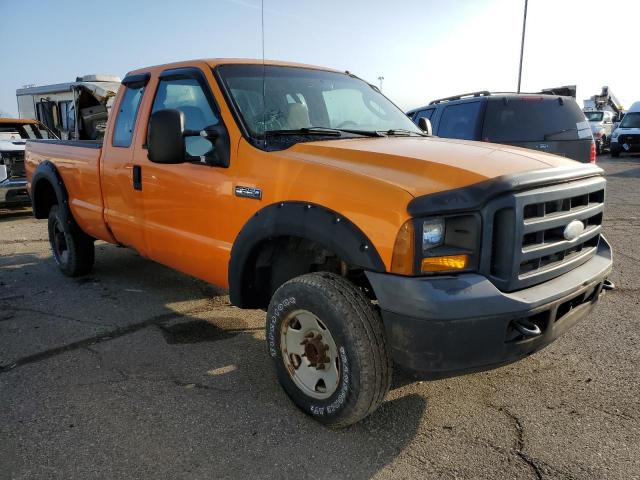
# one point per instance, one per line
(428, 113)
(126, 119)
(460, 121)
(187, 95)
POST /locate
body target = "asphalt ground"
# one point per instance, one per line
(137, 371)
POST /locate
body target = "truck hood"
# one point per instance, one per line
(423, 165)
(12, 145)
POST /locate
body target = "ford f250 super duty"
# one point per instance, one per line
(307, 193)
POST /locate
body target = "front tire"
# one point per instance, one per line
(72, 249)
(327, 342)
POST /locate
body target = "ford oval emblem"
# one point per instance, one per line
(573, 230)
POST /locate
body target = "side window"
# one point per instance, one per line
(126, 118)
(460, 121)
(428, 113)
(187, 95)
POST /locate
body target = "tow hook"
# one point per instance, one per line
(527, 328)
(608, 285)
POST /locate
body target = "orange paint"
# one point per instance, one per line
(186, 216)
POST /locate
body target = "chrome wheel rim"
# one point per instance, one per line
(310, 354)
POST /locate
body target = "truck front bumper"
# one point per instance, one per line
(449, 325)
(615, 146)
(14, 193)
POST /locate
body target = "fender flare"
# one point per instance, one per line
(47, 172)
(302, 220)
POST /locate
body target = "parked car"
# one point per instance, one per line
(601, 123)
(626, 137)
(14, 133)
(307, 193)
(552, 124)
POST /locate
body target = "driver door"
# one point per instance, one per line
(187, 206)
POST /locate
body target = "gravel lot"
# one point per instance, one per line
(140, 372)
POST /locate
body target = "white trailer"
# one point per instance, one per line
(74, 110)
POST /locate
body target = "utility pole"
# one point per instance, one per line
(524, 27)
(380, 79)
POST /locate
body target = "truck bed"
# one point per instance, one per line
(78, 162)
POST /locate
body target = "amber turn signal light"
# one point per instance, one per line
(442, 264)
(403, 250)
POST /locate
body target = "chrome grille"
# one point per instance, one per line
(526, 244)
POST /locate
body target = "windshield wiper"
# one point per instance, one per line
(336, 132)
(306, 131)
(402, 132)
(547, 135)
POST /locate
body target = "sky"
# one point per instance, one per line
(424, 49)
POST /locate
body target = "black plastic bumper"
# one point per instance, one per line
(617, 147)
(450, 325)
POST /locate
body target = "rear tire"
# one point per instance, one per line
(72, 249)
(341, 371)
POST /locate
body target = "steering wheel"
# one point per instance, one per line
(346, 123)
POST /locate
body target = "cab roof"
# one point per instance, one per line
(214, 62)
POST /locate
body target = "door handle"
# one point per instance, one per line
(137, 177)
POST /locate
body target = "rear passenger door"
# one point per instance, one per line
(461, 121)
(122, 198)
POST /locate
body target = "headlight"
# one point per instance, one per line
(437, 244)
(615, 134)
(432, 233)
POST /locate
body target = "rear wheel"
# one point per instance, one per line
(327, 342)
(72, 249)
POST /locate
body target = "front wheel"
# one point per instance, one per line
(72, 249)
(327, 343)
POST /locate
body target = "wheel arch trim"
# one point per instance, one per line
(47, 172)
(302, 220)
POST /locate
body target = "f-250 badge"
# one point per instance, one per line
(248, 192)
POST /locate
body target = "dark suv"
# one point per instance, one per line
(551, 123)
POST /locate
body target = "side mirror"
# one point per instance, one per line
(166, 137)
(219, 137)
(425, 125)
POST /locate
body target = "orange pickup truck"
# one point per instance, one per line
(309, 194)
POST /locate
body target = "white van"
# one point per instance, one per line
(626, 138)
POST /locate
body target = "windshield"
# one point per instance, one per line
(21, 131)
(303, 98)
(594, 116)
(631, 120)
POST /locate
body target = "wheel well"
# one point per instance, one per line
(279, 259)
(45, 197)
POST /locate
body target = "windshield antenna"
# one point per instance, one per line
(264, 88)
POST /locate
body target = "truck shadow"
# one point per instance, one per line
(8, 214)
(206, 372)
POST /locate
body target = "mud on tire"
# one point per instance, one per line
(72, 249)
(349, 324)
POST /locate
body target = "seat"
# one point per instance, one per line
(298, 116)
